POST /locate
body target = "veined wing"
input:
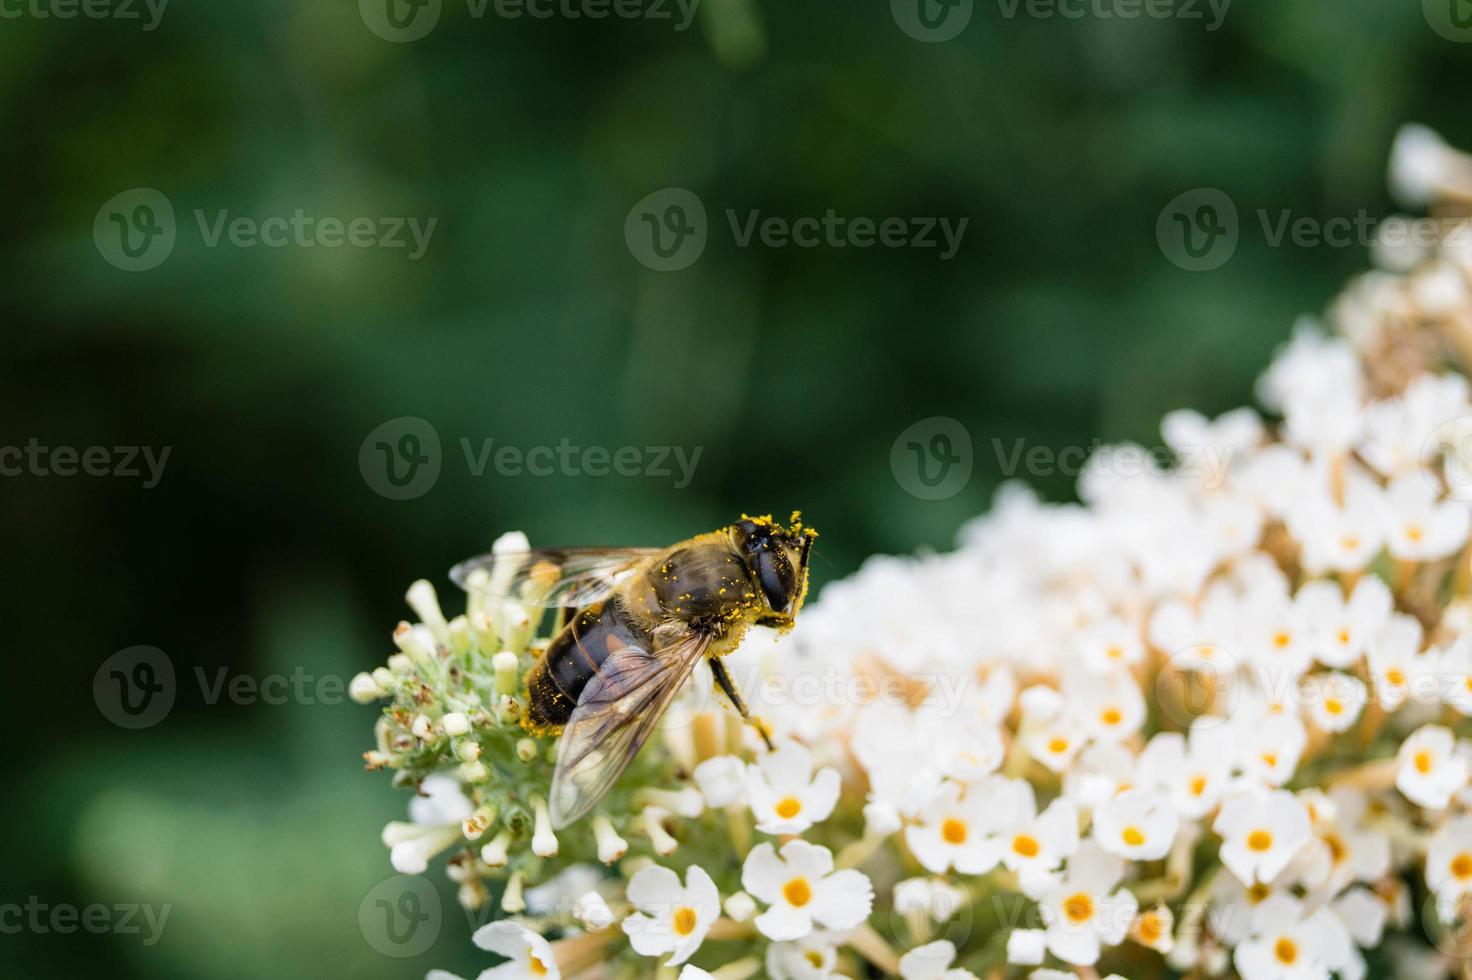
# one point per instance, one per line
(617, 712)
(573, 577)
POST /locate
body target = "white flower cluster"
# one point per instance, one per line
(1207, 721)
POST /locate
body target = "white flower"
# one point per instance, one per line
(1429, 770)
(1194, 773)
(801, 888)
(1154, 929)
(1026, 947)
(1341, 628)
(1084, 912)
(1449, 863)
(786, 797)
(1396, 661)
(1110, 644)
(1283, 944)
(935, 898)
(1261, 833)
(1271, 742)
(593, 912)
(1335, 701)
(1398, 431)
(813, 957)
(932, 962)
(957, 832)
(672, 918)
(1136, 825)
(722, 780)
(1418, 527)
(529, 955)
(436, 817)
(1455, 667)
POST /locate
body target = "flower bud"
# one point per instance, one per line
(495, 853)
(364, 689)
(426, 605)
(467, 750)
(512, 900)
(526, 750)
(460, 638)
(421, 728)
(544, 842)
(474, 772)
(593, 912)
(611, 846)
(384, 677)
(478, 822)
(508, 672)
(412, 644)
(652, 820)
(740, 907)
(456, 724)
(686, 802)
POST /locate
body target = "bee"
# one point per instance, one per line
(638, 621)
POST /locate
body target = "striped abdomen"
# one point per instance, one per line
(574, 656)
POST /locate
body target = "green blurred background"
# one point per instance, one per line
(264, 549)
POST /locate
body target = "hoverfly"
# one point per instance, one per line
(640, 620)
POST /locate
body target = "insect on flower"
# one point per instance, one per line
(639, 621)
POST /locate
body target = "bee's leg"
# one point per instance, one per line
(723, 678)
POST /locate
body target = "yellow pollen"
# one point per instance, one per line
(1422, 761)
(1344, 637)
(1333, 706)
(1115, 652)
(1132, 836)
(1111, 716)
(1350, 542)
(1286, 950)
(1461, 866)
(1395, 676)
(953, 831)
(1078, 908)
(1282, 638)
(1148, 928)
(815, 958)
(684, 920)
(1198, 785)
(1414, 532)
(1258, 892)
(789, 807)
(797, 892)
(1058, 746)
(1271, 758)
(1338, 850)
(535, 965)
(1026, 846)
(1259, 840)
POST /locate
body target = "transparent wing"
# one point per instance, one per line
(573, 577)
(617, 712)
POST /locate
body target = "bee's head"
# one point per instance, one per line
(778, 559)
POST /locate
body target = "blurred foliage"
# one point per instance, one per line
(528, 321)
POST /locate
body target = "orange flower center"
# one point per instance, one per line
(684, 920)
(1461, 866)
(1133, 836)
(1078, 908)
(1111, 716)
(1058, 746)
(789, 807)
(1422, 762)
(1198, 785)
(1259, 840)
(797, 892)
(1026, 846)
(535, 965)
(1286, 950)
(953, 831)
(1149, 928)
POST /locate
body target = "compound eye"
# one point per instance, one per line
(774, 574)
(752, 536)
